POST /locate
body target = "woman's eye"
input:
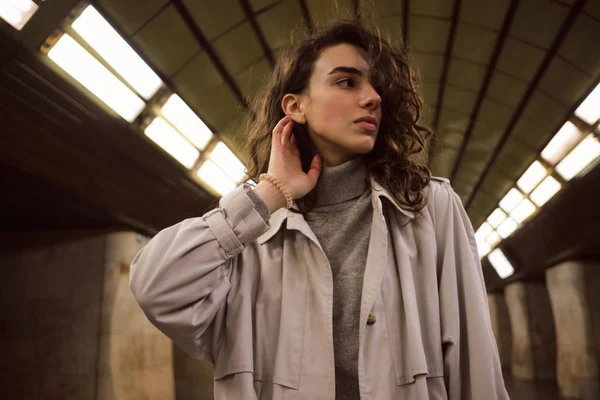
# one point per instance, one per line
(348, 82)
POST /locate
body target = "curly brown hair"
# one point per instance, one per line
(398, 161)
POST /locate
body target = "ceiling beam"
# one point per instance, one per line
(508, 20)
(552, 51)
(441, 89)
(405, 18)
(257, 31)
(208, 49)
(356, 9)
(306, 15)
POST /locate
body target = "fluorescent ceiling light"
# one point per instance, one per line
(589, 110)
(483, 249)
(17, 12)
(95, 30)
(496, 217)
(545, 191)
(581, 156)
(228, 162)
(523, 211)
(561, 143)
(534, 175)
(507, 228)
(484, 230)
(81, 65)
(172, 142)
(188, 123)
(501, 264)
(213, 176)
(493, 239)
(510, 201)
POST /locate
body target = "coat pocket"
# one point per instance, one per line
(278, 341)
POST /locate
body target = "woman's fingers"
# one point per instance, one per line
(278, 130)
(287, 130)
(315, 169)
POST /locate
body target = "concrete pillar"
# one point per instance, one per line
(136, 360)
(501, 327)
(577, 363)
(533, 337)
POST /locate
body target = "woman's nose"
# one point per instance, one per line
(372, 100)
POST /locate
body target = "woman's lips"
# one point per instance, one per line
(367, 125)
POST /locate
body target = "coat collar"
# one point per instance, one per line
(296, 221)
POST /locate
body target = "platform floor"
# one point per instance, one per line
(532, 390)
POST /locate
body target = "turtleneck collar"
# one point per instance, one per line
(342, 182)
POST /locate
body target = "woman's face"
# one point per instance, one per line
(342, 109)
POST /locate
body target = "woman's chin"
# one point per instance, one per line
(364, 145)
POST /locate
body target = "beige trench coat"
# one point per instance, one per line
(256, 300)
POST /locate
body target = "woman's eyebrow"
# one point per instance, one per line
(348, 70)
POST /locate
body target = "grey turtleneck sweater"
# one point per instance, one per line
(341, 221)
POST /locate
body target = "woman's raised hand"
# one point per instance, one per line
(285, 165)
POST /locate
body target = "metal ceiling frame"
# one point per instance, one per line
(405, 18)
(207, 47)
(552, 51)
(506, 24)
(356, 9)
(441, 89)
(306, 15)
(575, 120)
(257, 31)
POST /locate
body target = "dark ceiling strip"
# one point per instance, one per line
(442, 87)
(149, 20)
(508, 19)
(405, 18)
(552, 51)
(257, 31)
(356, 9)
(207, 47)
(268, 7)
(306, 15)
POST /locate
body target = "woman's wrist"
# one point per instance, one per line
(271, 195)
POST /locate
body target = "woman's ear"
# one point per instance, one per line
(291, 105)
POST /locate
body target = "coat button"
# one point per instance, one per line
(371, 319)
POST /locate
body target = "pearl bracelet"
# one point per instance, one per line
(274, 181)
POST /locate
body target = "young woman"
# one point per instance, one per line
(370, 287)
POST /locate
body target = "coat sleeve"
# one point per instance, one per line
(182, 277)
(472, 368)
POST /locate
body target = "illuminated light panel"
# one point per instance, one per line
(186, 120)
(523, 211)
(534, 175)
(172, 142)
(85, 69)
(214, 176)
(507, 228)
(95, 30)
(545, 191)
(228, 162)
(510, 201)
(589, 110)
(483, 249)
(501, 264)
(493, 239)
(484, 230)
(17, 12)
(496, 218)
(561, 143)
(581, 156)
